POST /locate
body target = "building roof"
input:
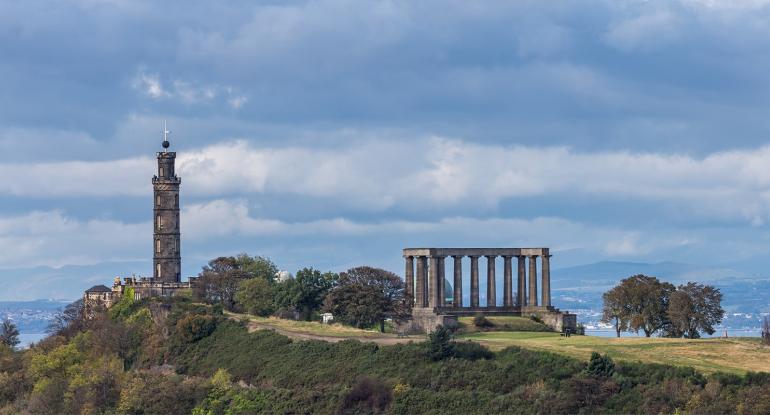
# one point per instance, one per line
(98, 289)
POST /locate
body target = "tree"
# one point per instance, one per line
(9, 334)
(600, 366)
(257, 266)
(766, 330)
(440, 345)
(68, 321)
(694, 308)
(615, 308)
(366, 296)
(646, 301)
(218, 282)
(256, 296)
(306, 291)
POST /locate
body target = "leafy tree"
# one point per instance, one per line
(366, 296)
(218, 282)
(615, 308)
(694, 308)
(646, 301)
(9, 334)
(600, 366)
(306, 291)
(256, 296)
(440, 345)
(257, 266)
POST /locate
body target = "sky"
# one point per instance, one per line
(335, 133)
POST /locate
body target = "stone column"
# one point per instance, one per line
(491, 288)
(474, 281)
(507, 281)
(458, 286)
(532, 281)
(522, 281)
(421, 291)
(433, 282)
(546, 285)
(409, 278)
(441, 283)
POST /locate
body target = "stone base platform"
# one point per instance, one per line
(425, 320)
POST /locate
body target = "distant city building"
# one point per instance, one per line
(283, 276)
(167, 259)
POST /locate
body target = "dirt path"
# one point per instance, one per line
(300, 335)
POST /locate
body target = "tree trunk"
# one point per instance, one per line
(617, 326)
(382, 326)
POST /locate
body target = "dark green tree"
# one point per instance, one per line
(257, 266)
(305, 293)
(694, 308)
(9, 334)
(218, 282)
(440, 345)
(256, 296)
(365, 296)
(600, 366)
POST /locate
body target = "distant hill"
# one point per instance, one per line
(601, 275)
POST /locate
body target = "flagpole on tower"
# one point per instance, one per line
(166, 132)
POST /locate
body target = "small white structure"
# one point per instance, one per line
(283, 276)
(327, 318)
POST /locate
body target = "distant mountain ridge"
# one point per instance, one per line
(601, 274)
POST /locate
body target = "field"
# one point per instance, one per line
(735, 355)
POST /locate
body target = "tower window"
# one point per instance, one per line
(157, 270)
(176, 201)
(157, 200)
(161, 171)
(157, 246)
(160, 222)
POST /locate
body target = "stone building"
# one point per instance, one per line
(167, 258)
(426, 282)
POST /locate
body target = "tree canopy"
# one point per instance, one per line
(9, 334)
(365, 296)
(306, 291)
(645, 303)
(694, 308)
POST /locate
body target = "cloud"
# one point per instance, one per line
(186, 92)
(427, 174)
(150, 85)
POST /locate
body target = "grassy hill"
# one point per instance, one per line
(172, 356)
(733, 355)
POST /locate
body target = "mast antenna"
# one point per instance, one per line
(166, 132)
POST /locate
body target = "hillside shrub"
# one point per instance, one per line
(367, 396)
(440, 345)
(480, 321)
(600, 366)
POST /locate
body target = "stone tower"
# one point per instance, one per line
(167, 260)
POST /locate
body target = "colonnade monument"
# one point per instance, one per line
(434, 304)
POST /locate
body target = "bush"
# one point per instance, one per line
(472, 351)
(600, 365)
(367, 396)
(536, 318)
(440, 344)
(482, 322)
(192, 328)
